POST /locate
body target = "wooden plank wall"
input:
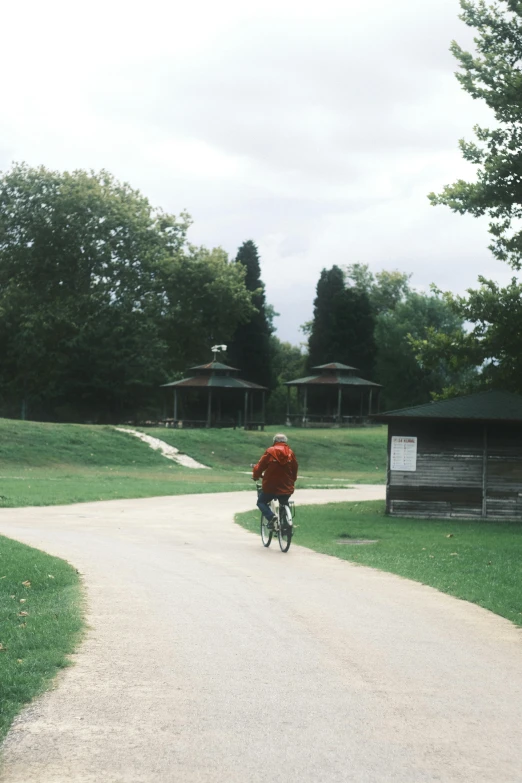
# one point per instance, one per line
(504, 472)
(455, 462)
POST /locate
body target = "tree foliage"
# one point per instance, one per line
(342, 326)
(488, 354)
(405, 380)
(205, 298)
(89, 281)
(404, 319)
(289, 362)
(492, 74)
(250, 348)
(385, 289)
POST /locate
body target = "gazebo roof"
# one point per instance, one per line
(332, 374)
(334, 366)
(214, 375)
(212, 366)
(214, 381)
(331, 380)
(483, 406)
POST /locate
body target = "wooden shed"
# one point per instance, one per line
(456, 458)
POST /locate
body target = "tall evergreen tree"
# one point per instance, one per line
(322, 333)
(353, 332)
(250, 348)
(343, 324)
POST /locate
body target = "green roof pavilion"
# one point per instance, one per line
(327, 389)
(218, 382)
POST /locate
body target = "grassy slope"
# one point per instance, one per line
(47, 464)
(349, 454)
(478, 561)
(34, 646)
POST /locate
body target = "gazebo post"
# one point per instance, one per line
(246, 410)
(370, 402)
(209, 408)
(263, 407)
(339, 397)
(175, 405)
(305, 404)
(362, 400)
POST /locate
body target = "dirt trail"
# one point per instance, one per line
(166, 450)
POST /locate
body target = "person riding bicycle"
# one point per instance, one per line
(278, 467)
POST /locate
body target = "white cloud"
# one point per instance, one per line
(316, 129)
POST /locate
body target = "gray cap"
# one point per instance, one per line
(280, 438)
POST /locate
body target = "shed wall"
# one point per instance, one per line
(467, 470)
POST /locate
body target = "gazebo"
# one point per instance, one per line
(334, 394)
(224, 400)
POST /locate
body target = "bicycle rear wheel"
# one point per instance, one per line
(266, 533)
(286, 530)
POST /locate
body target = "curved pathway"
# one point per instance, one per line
(212, 660)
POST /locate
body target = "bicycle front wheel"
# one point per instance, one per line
(266, 533)
(285, 531)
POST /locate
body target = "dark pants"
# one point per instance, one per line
(263, 499)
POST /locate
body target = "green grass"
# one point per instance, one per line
(345, 453)
(51, 464)
(477, 561)
(40, 623)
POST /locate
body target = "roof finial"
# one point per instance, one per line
(216, 348)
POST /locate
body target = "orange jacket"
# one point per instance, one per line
(278, 466)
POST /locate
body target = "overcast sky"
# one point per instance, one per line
(317, 129)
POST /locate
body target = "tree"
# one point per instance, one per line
(492, 74)
(289, 363)
(404, 319)
(205, 299)
(85, 262)
(495, 76)
(321, 330)
(353, 340)
(488, 354)
(398, 332)
(385, 289)
(77, 314)
(342, 326)
(250, 346)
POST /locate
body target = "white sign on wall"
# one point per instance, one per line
(403, 454)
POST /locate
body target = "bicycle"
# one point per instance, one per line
(284, 514)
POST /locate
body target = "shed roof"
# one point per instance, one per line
(483, 406)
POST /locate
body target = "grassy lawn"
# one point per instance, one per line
(478, 561)
(51, 464)
(40, 623)
(345, 453)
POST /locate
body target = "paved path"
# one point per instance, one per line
(213, 660)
